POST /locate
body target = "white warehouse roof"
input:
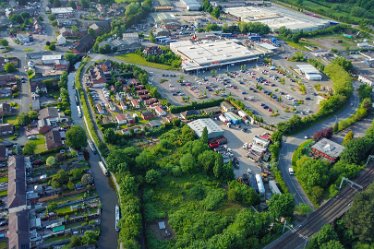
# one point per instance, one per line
(307, 68)
(213, 129)
(49, 57)
(212, 53)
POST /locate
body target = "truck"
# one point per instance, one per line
(103, 168)
(79, 111)
(92, 146)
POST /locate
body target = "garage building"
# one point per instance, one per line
(310, 72)
(213, 129)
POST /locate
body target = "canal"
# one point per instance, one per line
(108, 197)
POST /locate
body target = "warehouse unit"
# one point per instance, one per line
(213, 129)
(233, 118)
(276, 17)
(191, 5)
(209, 54)
(310, 72)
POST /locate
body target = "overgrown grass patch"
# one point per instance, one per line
(139, 60)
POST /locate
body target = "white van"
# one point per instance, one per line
(291, 171)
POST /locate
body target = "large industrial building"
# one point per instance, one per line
(213, 129)
(209, 54)
(276, 17)
(310, 72)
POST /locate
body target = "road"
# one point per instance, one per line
(108, 237)
(333, 209)
(290, 144)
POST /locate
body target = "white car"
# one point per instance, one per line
(291, 171)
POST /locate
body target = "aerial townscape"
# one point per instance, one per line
(187, 124)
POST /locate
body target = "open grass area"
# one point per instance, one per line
(3, 245)
(11, 120)
(337, 41)
(138, 60)
(190, 195)
(40, 144)
(3, 193)
(3, 179)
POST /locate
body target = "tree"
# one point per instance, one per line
(9, 67)
(76, 137)
(364, 91)
(348, 137)
(359, 218)
(4, 42)
(117, 161)
(70, 185)
(242, 193)
(51, 160)
(145, 160)
(29, 148)
(187, 162)
(152, 37)
(87, 179)
(325, 235)
(204, 136)
(152, 176)
(357, 150)
(90, 238)
(281, 205)
(207, 160)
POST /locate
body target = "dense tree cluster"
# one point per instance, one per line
(76, 137)
(166, 57)
(289, 35)
(324, 133)
(214, 11)
(358, 12)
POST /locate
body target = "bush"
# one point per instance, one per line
(195, 106)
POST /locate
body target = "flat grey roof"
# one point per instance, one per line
(308, 69)
(328, 147)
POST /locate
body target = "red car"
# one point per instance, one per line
(214, 145)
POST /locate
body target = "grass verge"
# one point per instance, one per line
(138, 60)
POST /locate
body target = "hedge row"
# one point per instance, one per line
(195, 106)
(82, 99)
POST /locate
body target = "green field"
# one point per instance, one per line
(40, 144)
(11, 120)
(3, 179)
(138, 60)
(3, 193)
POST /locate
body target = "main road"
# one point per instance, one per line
(290, 144)
(108, 197)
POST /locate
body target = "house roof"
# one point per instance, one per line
(328, 147)
(16, 181)
(3, 152)
(6, 127)
(53, 139)
(48, 112)
(18, 230)
(85, 43)
(5, 108)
